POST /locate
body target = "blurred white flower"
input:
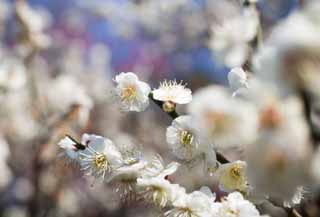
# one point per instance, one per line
(157, 168)
(12, 74)
(131, 93)
(290, 57)
(61, 101)
(197, 203)
(171, 91)
(34, 22)
(100, 157)
(230, 39)
(278, 161)
(159, 191)
(181, 139)
(238, 80)
(222, 120)
(234, 205)
(232, 176)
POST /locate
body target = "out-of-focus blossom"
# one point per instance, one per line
(230, 38)
(131, 93)
(171, 91)
(278, 161)
(12, 74)
(232, 176)
(33, 24)
(181, 139)
(61, 101)
(238, 80)
(290, 57)
(100, 157)
(223, 120)
(159, 190)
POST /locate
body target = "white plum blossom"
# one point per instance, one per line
(131, 93)
(230, 38)
(234, 205)
(156, 168)
(171, 91)
(238, 80)
(232, 176)
(100, 157)
(222, 120)
(128, 172)
(195, 204)
(182, 141)
(159, 190)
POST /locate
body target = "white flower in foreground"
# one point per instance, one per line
(100, 157)
(232, 176)
(195, 204)
(222, 120)
(125, 178)
(171, 91)
(234, 205)
(159, 190)
(238, 80)
(181, 139)
(230, 38)
(156, 168)
(132, 94)
(128, 173)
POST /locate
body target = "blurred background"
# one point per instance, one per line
(57, 61)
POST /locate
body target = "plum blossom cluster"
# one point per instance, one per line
(257, 138)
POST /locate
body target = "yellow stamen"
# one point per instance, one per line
(100, 161)
(129, 93)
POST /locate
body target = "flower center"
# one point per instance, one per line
(218, 121)
(186, 138)
(270, 117)
(232, 212)
(100, 161)
(129, 93)
(235, 172)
